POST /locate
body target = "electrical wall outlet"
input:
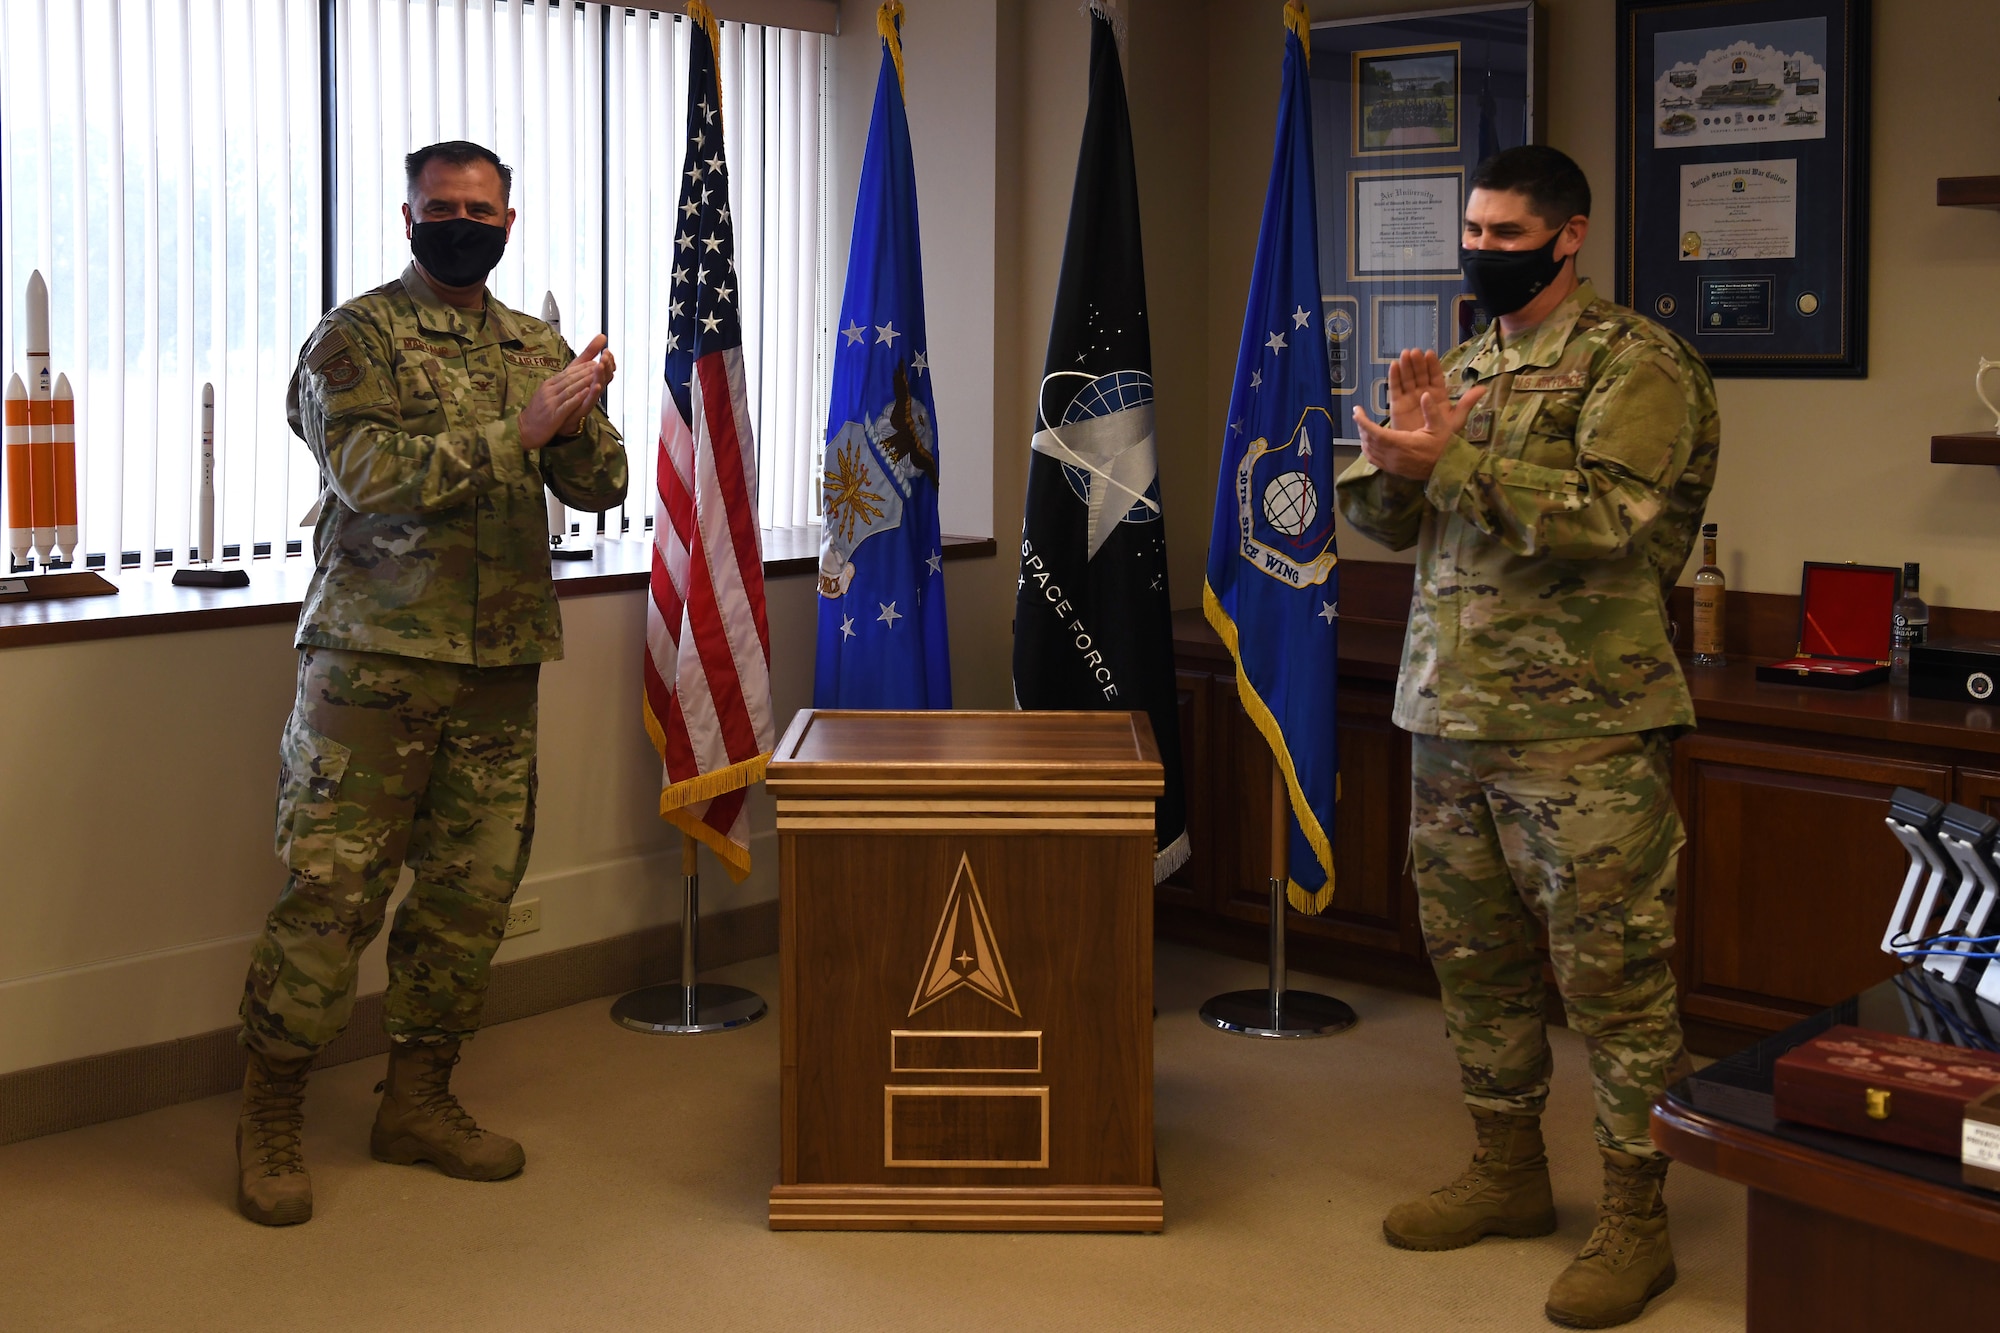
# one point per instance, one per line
(524, 916)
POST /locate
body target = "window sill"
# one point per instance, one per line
(147, 601)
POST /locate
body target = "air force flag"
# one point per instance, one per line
(1273, 587)
(882, 637)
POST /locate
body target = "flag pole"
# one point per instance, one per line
(1278, 1010)
(689, 1005)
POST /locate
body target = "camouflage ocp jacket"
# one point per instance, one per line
(1550, 531)
(432, 538)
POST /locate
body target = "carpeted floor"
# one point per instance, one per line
(649, 1158)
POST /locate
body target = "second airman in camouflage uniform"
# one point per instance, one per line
(436, 425)
(1552, 509)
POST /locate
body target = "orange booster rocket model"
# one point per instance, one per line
(41, 448)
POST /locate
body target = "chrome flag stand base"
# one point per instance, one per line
(689, 1005)
(1277, 1011)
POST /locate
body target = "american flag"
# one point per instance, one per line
(708, 644)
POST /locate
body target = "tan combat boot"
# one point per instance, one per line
(272, 1186)
(1628, 1259)
(421, 1121)
(1505, 1192)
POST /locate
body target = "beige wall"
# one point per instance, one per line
(1811, 470)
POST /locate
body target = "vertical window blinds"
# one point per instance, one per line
(161, 163)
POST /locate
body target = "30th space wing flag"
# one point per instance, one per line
(708, 644)
(1093, 622)
(1273, 585)
(882, 640)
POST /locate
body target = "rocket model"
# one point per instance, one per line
(558, 515)
(41, 448)
(20, 530)
(63, 435)
(205, 529)
(41, 423)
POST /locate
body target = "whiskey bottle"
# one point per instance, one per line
(1708, 593)
(1910, 625)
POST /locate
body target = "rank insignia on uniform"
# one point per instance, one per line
(1479, 426)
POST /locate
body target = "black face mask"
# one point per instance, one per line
(1503, 281)
(458, 252)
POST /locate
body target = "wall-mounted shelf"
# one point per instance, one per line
(1981, 447)
(1969, 192)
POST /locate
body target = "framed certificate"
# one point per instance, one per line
(1742, 179)
(1405, 224)
(1404, 107)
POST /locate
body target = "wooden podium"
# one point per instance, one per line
(967, 959)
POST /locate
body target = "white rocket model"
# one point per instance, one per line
(205, 529)
(558, 514)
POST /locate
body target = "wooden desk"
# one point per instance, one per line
(966, 947)
(1845, 1233)
(1782, 788)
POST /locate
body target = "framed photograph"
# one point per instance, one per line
(1406, 100)
(1404, 107)
(1402, 323)
(1742, 179)
(1404, 224)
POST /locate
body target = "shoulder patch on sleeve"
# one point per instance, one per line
(331, 345)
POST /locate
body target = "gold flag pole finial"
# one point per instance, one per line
(889, 23)
(700, 13)
(1300, 22)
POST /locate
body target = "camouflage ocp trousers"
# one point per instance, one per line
(388, 761)
(1580, 836)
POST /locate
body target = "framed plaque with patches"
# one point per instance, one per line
(1743, 180)
(966, 952)
(1404, 106)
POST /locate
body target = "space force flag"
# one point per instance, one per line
(881, 580)
(1092, 621)
(708, 645)
(1273, 586)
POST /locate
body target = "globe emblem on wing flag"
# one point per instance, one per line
(1291, 503)
(1105, 395)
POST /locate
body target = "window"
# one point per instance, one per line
(195, 199)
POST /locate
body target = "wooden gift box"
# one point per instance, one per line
(1845, 616)
(1893, 1089)
(1979, 1150)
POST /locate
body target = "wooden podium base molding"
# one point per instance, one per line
(965, 1208)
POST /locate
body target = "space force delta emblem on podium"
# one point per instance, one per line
(964, 953)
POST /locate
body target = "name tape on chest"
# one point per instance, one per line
(419, 345)
(1552, 381)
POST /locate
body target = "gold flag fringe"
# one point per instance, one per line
(1300, 22)
(889, 23)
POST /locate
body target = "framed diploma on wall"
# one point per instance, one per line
(1404, 107)
(1743, 179)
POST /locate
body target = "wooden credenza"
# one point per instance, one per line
(966, 953)
(1788, 876)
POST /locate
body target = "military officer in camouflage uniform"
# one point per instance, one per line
(1551, 473)
(437, 415)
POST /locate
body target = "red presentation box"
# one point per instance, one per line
(1844, 627)
(1894, 1089)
